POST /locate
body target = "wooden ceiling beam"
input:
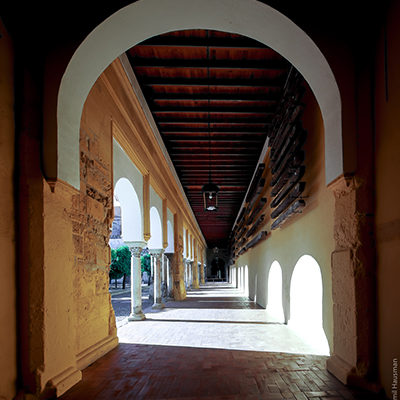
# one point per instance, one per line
(253, 109)
(217, 131)
(216, 151)
(272, 97)
(195, 42)
(218, 118)
(237, 83)
(184, 141)
(209, 64)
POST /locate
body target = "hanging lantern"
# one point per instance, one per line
(210, 196)
(209, 190)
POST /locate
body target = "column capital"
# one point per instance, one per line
(157, 253)
(136, 247)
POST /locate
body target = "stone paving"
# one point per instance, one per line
(211, 346)
(217, 316)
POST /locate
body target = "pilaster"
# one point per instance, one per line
(178, 272)
(352, 263)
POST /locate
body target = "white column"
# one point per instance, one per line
(164, 280)
(136, 281)
(170, 275)
(157, 254)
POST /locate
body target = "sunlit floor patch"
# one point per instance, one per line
(234, 324)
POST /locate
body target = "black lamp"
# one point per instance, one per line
(210, 196)
(210, 190)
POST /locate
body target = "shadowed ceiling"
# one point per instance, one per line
(213, 96)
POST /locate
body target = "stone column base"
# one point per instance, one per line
(137, 317)
(158, 306)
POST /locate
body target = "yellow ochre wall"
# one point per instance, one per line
(308, 233)
(8, 319)
(387, 193)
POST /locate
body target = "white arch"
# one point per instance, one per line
(155, 241)
(130, 206)
(274, 305)
(147, 18)
(306, 311)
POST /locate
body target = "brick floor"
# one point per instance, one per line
(148, 371)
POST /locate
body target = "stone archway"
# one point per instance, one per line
(148, 18)
(254, 19)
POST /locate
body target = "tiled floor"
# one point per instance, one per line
(216, 316)
(216, 345)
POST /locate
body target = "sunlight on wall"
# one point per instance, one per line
(306, 303)
(274, 305)
(232, 276)
(255, 288)
(129, 201)
(155, 241)
(246, 281)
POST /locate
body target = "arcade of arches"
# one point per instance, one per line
(75, 129)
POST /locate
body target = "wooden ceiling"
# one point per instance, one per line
(213, 96)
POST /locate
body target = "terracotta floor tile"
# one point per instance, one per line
(222, 351)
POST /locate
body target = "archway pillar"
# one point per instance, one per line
(353, 358)
(170, 258)
(178, 273)
(202, 280)
(195, 266)
(157, 254)
(136, 281)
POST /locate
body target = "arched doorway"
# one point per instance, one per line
(274, 305)
(306, 308)
(218, 269)
(131, 226)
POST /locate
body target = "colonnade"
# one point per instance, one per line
(165, 265)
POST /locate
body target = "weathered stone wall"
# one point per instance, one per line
(91, 216)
